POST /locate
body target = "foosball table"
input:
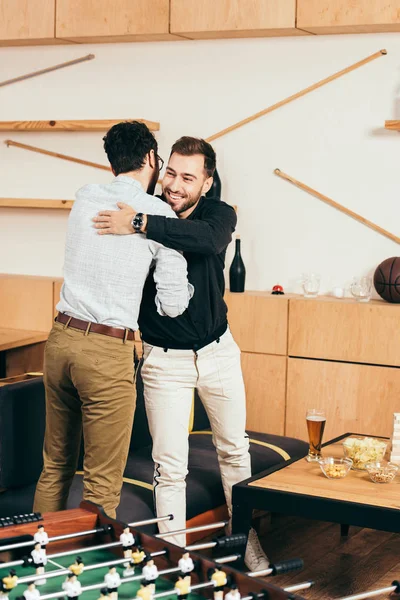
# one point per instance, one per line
(83, 552)
(86, 552)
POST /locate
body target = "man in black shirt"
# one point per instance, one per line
(196, 349)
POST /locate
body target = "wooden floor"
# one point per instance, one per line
(365, 560)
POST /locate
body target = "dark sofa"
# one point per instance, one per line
(22, 417)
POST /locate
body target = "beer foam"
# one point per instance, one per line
(316, 418)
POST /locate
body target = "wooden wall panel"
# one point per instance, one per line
(26, 302)
(57, 284)
(27, 22)
(344, 16)
(265, 382)
(197, 19)
(345, 330)
(258, 321)
(357, 398)
(113, 21)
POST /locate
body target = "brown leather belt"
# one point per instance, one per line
(122, 334)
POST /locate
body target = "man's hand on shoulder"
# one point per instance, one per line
(117, 222)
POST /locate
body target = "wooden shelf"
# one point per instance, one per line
(47, 204)
(392, 125)
(34, 203)
(81, 125)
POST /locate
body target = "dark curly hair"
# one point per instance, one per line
(188, 146)
(127, 144)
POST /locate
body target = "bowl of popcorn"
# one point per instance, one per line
(335, 468)
(363, 451)
(380, 472)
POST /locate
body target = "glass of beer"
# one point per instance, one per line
(316, 420)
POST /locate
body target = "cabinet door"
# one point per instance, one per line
(233, 18)
(112, 20)
(356, 398)
(342, 16)
(265, 382)
(258, 321)
(24, 22)
(345, 330)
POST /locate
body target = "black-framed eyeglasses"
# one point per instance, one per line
(160, 162)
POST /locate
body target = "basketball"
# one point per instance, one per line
(387, 279)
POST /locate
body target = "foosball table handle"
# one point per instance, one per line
(231, 541)
(286, 566)
(397, 584)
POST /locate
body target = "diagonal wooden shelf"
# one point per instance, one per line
(70, 125)
(392, 125)
(35, 203)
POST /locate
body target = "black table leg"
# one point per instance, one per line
(344, 530)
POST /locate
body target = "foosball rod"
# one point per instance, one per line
(104, 529)
(60, 572)
(293, 588)
(29, 560)
(192, 529)
(395, 587)
(98, 586)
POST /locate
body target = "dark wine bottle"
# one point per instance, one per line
(215, 189)
(237, 271)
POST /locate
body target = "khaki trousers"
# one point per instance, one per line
(169, 379)
(90, 388)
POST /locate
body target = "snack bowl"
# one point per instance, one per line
(363, 450)
(381, 472)
(335, 468)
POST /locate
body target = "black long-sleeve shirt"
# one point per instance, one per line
(203, 237)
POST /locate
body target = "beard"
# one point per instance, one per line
(153, 181)
(187, 201)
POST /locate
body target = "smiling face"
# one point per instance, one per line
(185, 181)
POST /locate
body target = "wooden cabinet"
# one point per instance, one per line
(357, 398)
(344, 16)
(112, 20)
(197, 19)
(265, 383)
(345, 330)
(25, 22)
(258, 321)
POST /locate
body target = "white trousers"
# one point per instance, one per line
(169, 379)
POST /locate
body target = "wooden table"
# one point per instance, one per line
(21, 350)
(299, 488)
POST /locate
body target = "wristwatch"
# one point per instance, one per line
(137, 222)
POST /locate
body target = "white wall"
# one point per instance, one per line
(332, 139)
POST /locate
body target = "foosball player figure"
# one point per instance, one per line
(41, 536)
(139, 555)
(182, 586)
(77, 567)
(185, 564)
(112, 581)
(150, 573)
(103, 594)
(233, 594)
(128, 541)
(8, 583)
(72, 586)
(219, 580)
(31, 592)
(144, 592)
(40, 561)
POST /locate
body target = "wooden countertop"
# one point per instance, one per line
(15, 338)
